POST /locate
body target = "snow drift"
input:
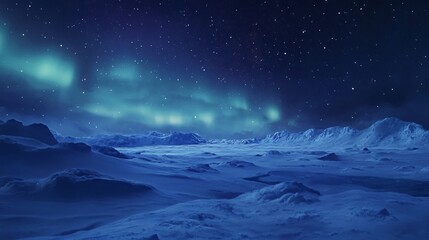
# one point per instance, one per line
(290, 193)
(72, 184)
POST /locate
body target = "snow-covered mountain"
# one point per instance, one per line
(234, 141)
(152, 138)
(36, 131)
(385, 132)
(394, 131)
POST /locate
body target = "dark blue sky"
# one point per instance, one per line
(215, 67)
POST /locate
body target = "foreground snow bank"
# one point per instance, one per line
(72, 184)
(263, 214)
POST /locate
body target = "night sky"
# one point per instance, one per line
(220, 68)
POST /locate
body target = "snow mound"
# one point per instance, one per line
(289, 193)
(72, 185)
(208, 154)
(372, 213)
(152, 138)
(329, 157)
(109, 151)
(274, 153)
(236, 164)
(386, 132)
(76, 147)
(36, 131)
(201, 168)
(152, 237)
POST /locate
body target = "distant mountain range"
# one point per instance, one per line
(147, 139)
(386, 132)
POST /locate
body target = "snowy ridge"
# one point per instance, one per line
(234, 141)
(386, 132)
(394, 131)
(36, 131)
(152, 138)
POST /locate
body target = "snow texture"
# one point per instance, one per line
(336, 183)
(71, 185)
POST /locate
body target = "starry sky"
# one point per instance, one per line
(224, 68)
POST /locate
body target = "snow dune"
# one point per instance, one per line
(72, 185)
(283, 211)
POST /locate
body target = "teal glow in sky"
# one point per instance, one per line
(42, 71)
(39, 70)
(219, 68)
(127, 91)
(1, 41)
(176, 106)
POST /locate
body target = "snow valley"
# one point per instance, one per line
(334, 183)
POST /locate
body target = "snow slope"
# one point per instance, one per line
(36, 131)
(71, 185)
(283, 211)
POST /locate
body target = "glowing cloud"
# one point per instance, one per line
(50, 70)
(133, 93)
(40, 70)
(175, 120)
(239, 103)
(2, 41)
(104, 111)
(125, 71)
(273, 114)
(206, 118)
